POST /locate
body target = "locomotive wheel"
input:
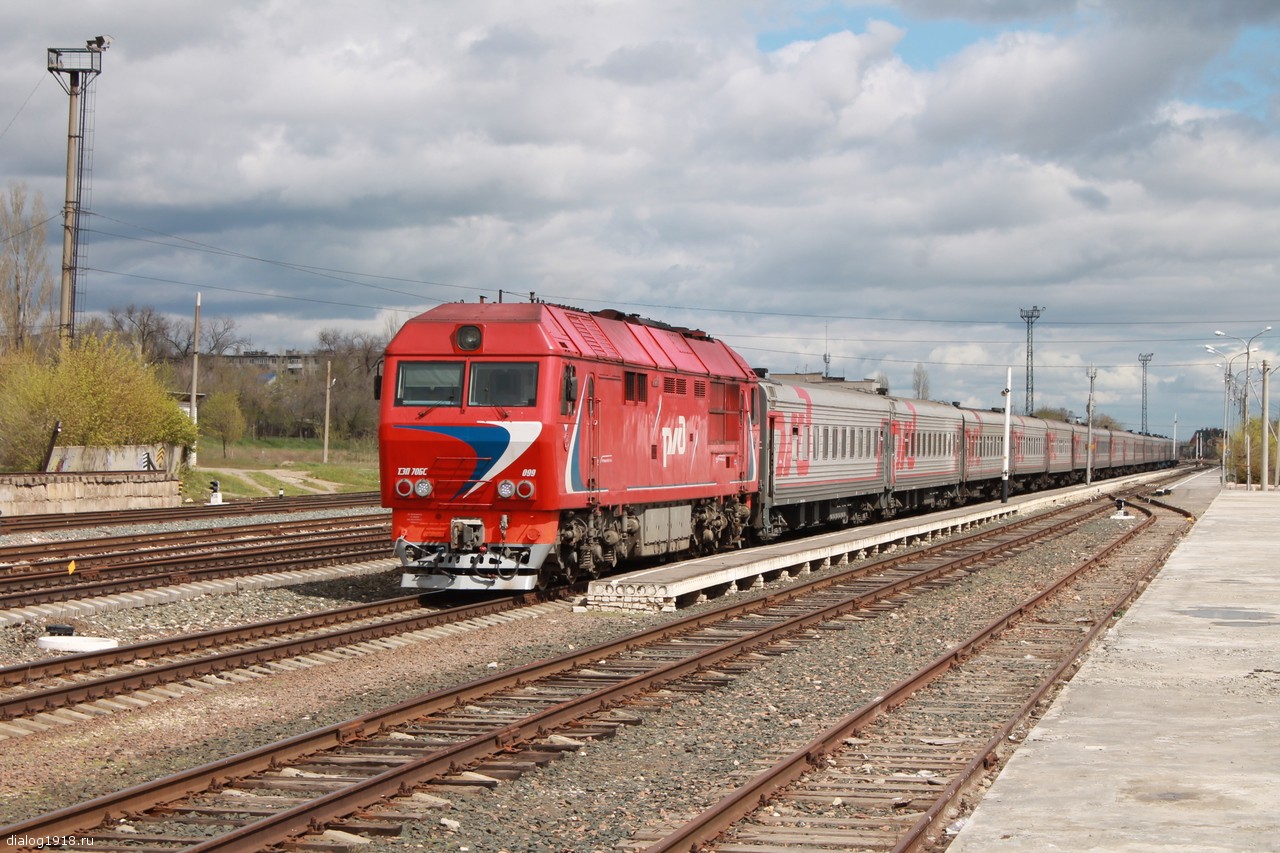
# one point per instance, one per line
(546, 577)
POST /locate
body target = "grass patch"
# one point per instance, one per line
(195, 485)
(249, 469)
(285, 452)
(360, 478)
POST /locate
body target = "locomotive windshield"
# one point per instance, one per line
(495, 383)
(429, 383)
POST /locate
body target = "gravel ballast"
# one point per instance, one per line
(677, 762)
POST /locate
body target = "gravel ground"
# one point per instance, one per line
(203, 613)
(685, 757)
(670, 767)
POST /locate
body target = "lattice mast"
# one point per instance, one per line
(1030, 315)
(1144, 358)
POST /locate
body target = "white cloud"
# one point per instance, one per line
(650, 156)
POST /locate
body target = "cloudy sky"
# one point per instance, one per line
(887, 184)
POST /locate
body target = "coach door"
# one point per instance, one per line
(891, 455)
(769, 457)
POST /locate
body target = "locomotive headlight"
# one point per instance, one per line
(525, 489)
(506, 489)
(422, 488)
(468, 338)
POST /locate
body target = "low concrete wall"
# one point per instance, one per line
(125, 457)
(43, 493)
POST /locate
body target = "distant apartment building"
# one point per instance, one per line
(292, 361)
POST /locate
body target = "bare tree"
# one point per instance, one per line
(220, 335)
(180, 337)
(920, 382)
(27, 305)
(145, 328)
(355, 356)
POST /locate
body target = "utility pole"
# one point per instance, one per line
(1145, 359)
(195, 375)
(1031, 315)
(1088, 450)
(1004, 473)
(328, 385)
(80, 65)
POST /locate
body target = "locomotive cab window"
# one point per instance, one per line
(429, 383)
(505, 383)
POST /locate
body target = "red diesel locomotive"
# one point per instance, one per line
(522, 443)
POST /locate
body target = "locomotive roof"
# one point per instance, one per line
(605, 335)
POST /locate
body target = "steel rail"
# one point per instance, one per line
(100, 551)
(249, 506)
(703, 829)
(916, 835)
(21, 673)
(260, 560)
(52, 698)
(338, 804)
(228, 548)
(62, 695)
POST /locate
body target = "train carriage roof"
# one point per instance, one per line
(604, 335)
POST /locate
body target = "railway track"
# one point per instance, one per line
(29, 688)
(203, 557)
(53, 683)
(504, 725)
(894, 773)
(250, 506)
(102, 551)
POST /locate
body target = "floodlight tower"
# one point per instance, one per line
(1145, 359)
(80, 65)
(1031, 315)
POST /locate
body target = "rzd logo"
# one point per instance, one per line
(674, 440)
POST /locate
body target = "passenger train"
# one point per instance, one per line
(525, 443)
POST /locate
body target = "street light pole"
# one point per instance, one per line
(1228, 363)
(1226, 388)
(1266, 424)
(1004, 473)
(328, 385)
(81, 65)
(1248, 433)
(1088, 451)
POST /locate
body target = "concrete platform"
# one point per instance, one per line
(1168, 738)
(667, 587)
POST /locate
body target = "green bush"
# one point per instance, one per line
(99, 391)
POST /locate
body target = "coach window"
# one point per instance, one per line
(504, 383)
(429, 383)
